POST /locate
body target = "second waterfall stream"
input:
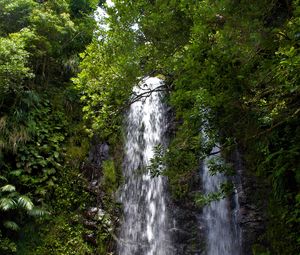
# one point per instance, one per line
(222, 232)
(144, 229)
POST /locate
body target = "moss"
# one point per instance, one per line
(259, 250)
(77, 149)
(58, 236)
(109, 181)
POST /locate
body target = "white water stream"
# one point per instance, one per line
(144, 229)
(222, 233)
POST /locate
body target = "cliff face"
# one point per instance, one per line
(252, 204)
(188, 231)
(188, 228)
(101, 218)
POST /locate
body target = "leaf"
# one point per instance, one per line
(3, 178)
(11, 225)
(16, 172)
(8, 188)
(38, 212)
(25, 202)
(7, 203)
(56, 154)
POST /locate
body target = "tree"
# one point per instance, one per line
(14, 68)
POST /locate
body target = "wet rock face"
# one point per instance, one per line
(187, 229)
(252, 202)
(99, 152)
(91, 238)
(187, 232)
(95, 217)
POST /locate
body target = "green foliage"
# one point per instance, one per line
(59, 237)
(7, 203)
(105, 234)
(6, 245)
(100, 86)
(25, 202)
(59, 233)
(11, 225)
(260, 250)
(38, 159)
(13, 65)
(157, 162)
(218, 165)
(82, 7)
(54, 27)
(77, 148)
(69, 196)
(10, 199)
(8, 187)
(15, 15)
(225, 190)
(182, 161)
(12, 208)
(109, 181)
(39, 46)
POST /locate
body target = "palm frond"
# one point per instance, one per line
(3, 178)
(8, 188)
(7, 204)
(25, 202)
(16, 172)
(38, 212)
(30, 98)
(11, 225)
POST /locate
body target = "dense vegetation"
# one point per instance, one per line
(232, 64)
(42, 139)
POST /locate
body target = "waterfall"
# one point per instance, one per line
(222, 231)
(144, 228)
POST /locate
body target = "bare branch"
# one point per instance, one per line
(147, 93)
(214, 153)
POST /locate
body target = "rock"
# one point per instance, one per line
(94, 183)
(98, 153)
(91, 212)
(100, 214)
(187, 230)
(91, 238)
(92, 225)
(251, 218)
(94, 217)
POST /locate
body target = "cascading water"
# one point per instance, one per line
(144, 230)
(222, 232)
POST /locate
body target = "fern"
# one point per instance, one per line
(3, 178)
(7, 204)
(11, 225)
(8, 188)
(25, 202)
(38, 212)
